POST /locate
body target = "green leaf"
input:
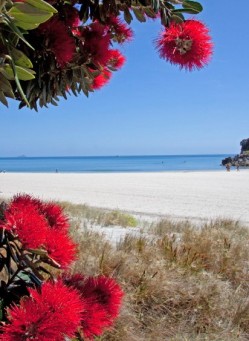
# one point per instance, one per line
(42, 5)
(139, 14)
(6, 87)
(127, 15)
(177, 18)
(149, 12)
(194, 5)
(24, 276)
(23, 74)
(16, 30)
(155, 5)
(3, 99)
(185, 10)
(20, 58)
(27, 16)
(26, 26)
(164, 17)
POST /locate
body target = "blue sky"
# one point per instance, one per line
(150, 106)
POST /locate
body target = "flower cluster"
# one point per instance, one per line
(101, 296)
(42, 308)
(66, 41)
(40, 225)
(63, 309)
(187, 44)
(96, 42)
(48, 314)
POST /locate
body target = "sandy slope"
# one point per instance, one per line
(176, 194)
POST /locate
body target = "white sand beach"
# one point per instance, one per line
(192, 195)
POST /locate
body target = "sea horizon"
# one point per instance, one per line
(24, 156)
(112, 163)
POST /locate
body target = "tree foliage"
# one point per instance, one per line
(56, 47)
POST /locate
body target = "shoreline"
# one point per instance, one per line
(222, 168)
(192, 195)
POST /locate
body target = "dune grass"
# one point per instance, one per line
(181, 283)
(100, 216)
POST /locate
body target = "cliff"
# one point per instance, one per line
(242, 159)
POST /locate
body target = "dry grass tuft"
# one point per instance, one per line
(100, 216)
(182, 282)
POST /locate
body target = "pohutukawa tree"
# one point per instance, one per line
(56, 47)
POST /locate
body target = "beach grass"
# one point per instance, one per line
(100, 216)
(181, 281)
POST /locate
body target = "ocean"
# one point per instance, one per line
(143, 163)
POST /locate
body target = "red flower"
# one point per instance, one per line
(76, 280)
(51, 314)
(71, 16)
(58, 40)
(102, 298)
(52, 212)
(25, 222)
(121, 32)
(116, 60)
(96, 43)
(187, 44)
(101, 79)
(104, 291)
(22, 200)
(55, 217)
(60, 247)
(94, 320)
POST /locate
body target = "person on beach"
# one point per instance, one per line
(228, 167)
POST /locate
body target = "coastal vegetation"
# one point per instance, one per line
(39, 298)
(99, 216)
(182, 281)
(36, 71)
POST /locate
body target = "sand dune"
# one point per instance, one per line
(204, 195)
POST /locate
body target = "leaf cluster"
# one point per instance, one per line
(15, 19)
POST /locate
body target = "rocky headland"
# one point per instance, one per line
(242, 159)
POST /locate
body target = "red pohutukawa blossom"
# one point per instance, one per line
(94, 320)
(187, 44)
(56, 219)
(23, 200)
(120, 31)
(116, 59)
(40, 225)
(96, 43)
(27, 224)
(76, 280)
(53, 213)
(71, 16)
(58, 40)
(60, 247)
(104, 291)
(102, 298)
(51, 314)
(101, 80)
